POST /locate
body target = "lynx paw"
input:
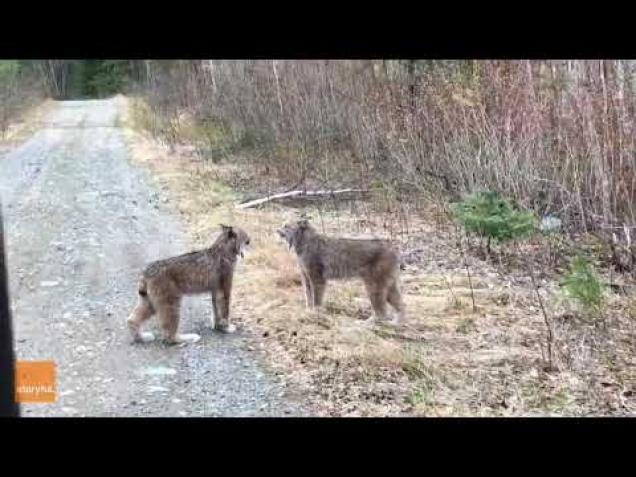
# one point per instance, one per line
(369, 321)
(398, 319)
(144, 337)
(186, 338)
(227, 329)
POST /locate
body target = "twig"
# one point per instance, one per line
(550, 334)
(450, 288)
(470, 280)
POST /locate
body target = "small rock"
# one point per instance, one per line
(157, 389)
(49, 283)
(159, 371)
(550, 223)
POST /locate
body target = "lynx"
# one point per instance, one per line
(321, 258)
(163, 284)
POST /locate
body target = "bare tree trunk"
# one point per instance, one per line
(412, 85)
(211, 68)
(148, 72)
(280, 101)
(55, 73)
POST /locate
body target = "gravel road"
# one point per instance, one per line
(81, 221)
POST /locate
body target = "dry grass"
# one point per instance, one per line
(27, 123)
(446, 360)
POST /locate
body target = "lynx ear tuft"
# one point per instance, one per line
(227, 229)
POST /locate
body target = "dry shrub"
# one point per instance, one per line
(557, 136)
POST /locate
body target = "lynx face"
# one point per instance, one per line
(239, 240)
(243, 245)
(291, 232)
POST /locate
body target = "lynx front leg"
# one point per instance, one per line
(215, 313)
(319, 285)
(222, 307)
(307, 286)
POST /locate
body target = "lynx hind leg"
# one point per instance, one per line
(168, 310)
(378, 293)
(395, 300)
(378, 301)
(142, 312)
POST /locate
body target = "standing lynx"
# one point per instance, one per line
(165, 282)
(321, 258)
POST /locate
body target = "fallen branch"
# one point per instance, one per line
(299, 194)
